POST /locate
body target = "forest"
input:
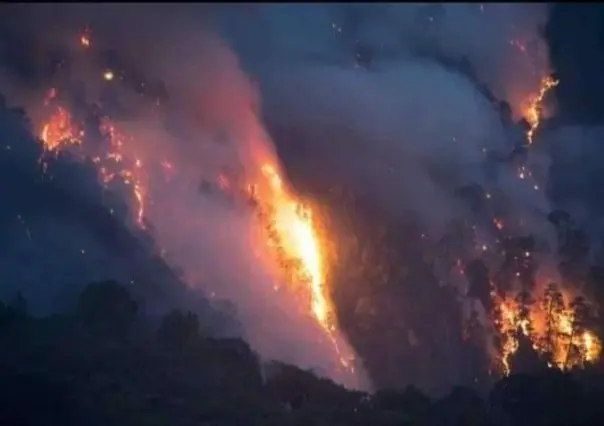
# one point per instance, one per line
(107, 363)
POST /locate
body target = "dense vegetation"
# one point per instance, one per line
(107, 363)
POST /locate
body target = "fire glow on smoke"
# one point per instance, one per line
(534, 108)
(551, 322)
(291, 235)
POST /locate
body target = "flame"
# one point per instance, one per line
(553, 333)
(127, 165)
(533, 111)
(511, 324)
(293, 223)
(288, 224)
(569, 347)
(508, 325)
(59, 133)
(291, 229)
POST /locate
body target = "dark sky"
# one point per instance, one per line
(575, 34)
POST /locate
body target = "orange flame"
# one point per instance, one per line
(59, 133)
(290, 223)
(534, 109)
(294, 233)
(130, 168)
(293, 222)
(509, 323)
(552, 333)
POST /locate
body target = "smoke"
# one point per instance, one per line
(389, 99)
(401, 103)
(417, 124)
(502, 42)
(202, 121)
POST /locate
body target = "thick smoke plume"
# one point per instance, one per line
(199, 120)
(398, 102)
(405, 104)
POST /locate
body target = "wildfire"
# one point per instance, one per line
(508, 326)
(553, 328)
(534, 109)
(511, 323)
(290, 223)
(293, 224)
(292, 233)
(59, 132)
(124, 164)
(550, 321)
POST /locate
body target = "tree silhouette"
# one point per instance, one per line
(410, 402)
(525, 302)
(553, 306)
(19, 304)
(525, 359)
(178, 331)
(107, 308)
(580, 321)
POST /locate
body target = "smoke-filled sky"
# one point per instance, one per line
(410, 129)
(386, 99)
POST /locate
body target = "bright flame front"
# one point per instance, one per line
(291, 237)
(292, 234)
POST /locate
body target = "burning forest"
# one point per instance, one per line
(337, 206)
(287, 229)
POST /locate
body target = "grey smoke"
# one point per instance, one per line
(402, 127)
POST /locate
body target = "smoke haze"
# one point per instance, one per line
(399, 102)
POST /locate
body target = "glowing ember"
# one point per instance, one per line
(126, 165)
(519, 44)
(534, 109)
(108, 75)
(59, 132)
(85, 40)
